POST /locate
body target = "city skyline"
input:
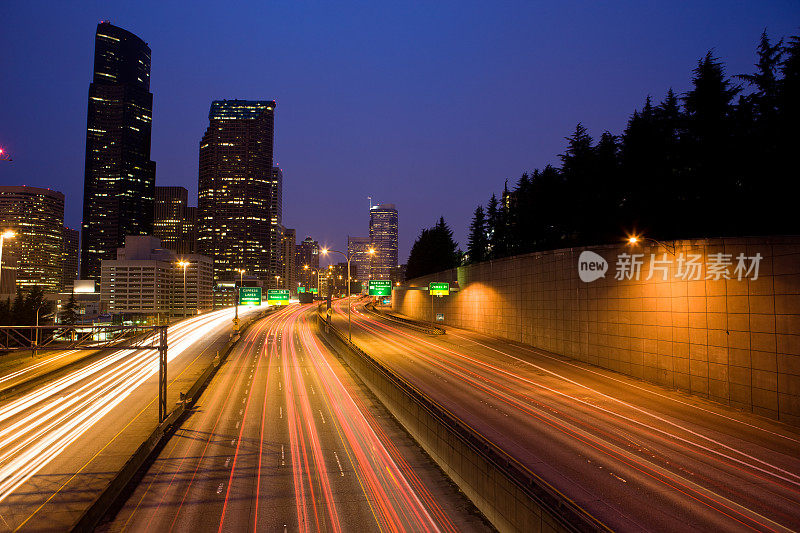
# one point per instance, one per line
(503, 140)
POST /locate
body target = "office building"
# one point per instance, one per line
(288, 251)
(174, 221)
(360, 261)
(383, 237)
(146, 282)
(307, 262)
(33, 257)
(119, 178)
(70, 253)
(239, 191)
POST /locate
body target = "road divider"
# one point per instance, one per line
(424, 327)
(510, 496)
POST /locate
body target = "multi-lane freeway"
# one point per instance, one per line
(635, 456)
(284, 439)
(63, 439)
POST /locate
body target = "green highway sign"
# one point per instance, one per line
(301, 290)
(314, 290)
(439, 288)
(249, 295)
(380, 287)
(278, 297)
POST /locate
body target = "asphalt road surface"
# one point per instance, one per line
(284, 439)
(64, 439)
(634, 455)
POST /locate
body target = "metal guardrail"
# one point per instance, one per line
(571, 516)
(413, 324)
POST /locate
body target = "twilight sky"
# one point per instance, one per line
(429, 105)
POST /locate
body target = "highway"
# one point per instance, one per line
(284, 439)
(635, 456)
(62, 440)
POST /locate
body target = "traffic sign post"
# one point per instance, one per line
(249, 295)
(439, 288)
(278, 297)
(301, 290)
(380, 287)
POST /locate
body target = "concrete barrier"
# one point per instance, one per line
(95, 512)
(425, 327)
(510, 496)
(717, 318)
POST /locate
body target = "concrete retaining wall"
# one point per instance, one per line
(735, 341)
(509, 496)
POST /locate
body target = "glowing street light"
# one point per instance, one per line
(634, 240)
(4, 156)
(325, 251)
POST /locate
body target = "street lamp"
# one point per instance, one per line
(4, 156)
(184, 264)
(276, 282)
(8, 234)
(325, 251)
(236, 308)
(634, 240)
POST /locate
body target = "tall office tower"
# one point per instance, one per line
(288, 249)
(33, 255)
(190, 229)
(307, 262)
(237, 190)
(119, 182)
(174, 221)
(69, 257)
(276, 228)
(361, 260)
(383, 237)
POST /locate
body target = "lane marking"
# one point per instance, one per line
(341, 470)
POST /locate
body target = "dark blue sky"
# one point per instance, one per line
(429, 105)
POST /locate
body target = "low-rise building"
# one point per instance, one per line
(149, 282)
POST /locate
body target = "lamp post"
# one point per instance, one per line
(8, 234)
(633, 240)
(325, 251)
(184, 264)
(276, 282)
(236, 308)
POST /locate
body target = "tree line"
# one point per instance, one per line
(716, 161)
(23, 309)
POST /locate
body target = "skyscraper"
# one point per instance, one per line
(33, 255)
(238, 224)
(119, 179)
(383, 236)
(361, 260)
(288, 249)
(307, 262)
(174, 221)
(69, 257)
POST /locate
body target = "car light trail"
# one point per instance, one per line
(41, 424)
(743, 507)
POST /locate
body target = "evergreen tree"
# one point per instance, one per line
(433, 251)
(5, 312)
(716, 175)
(69, 314)
(492, 221)
(18, 310)
(577, 169)
(478, 242)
